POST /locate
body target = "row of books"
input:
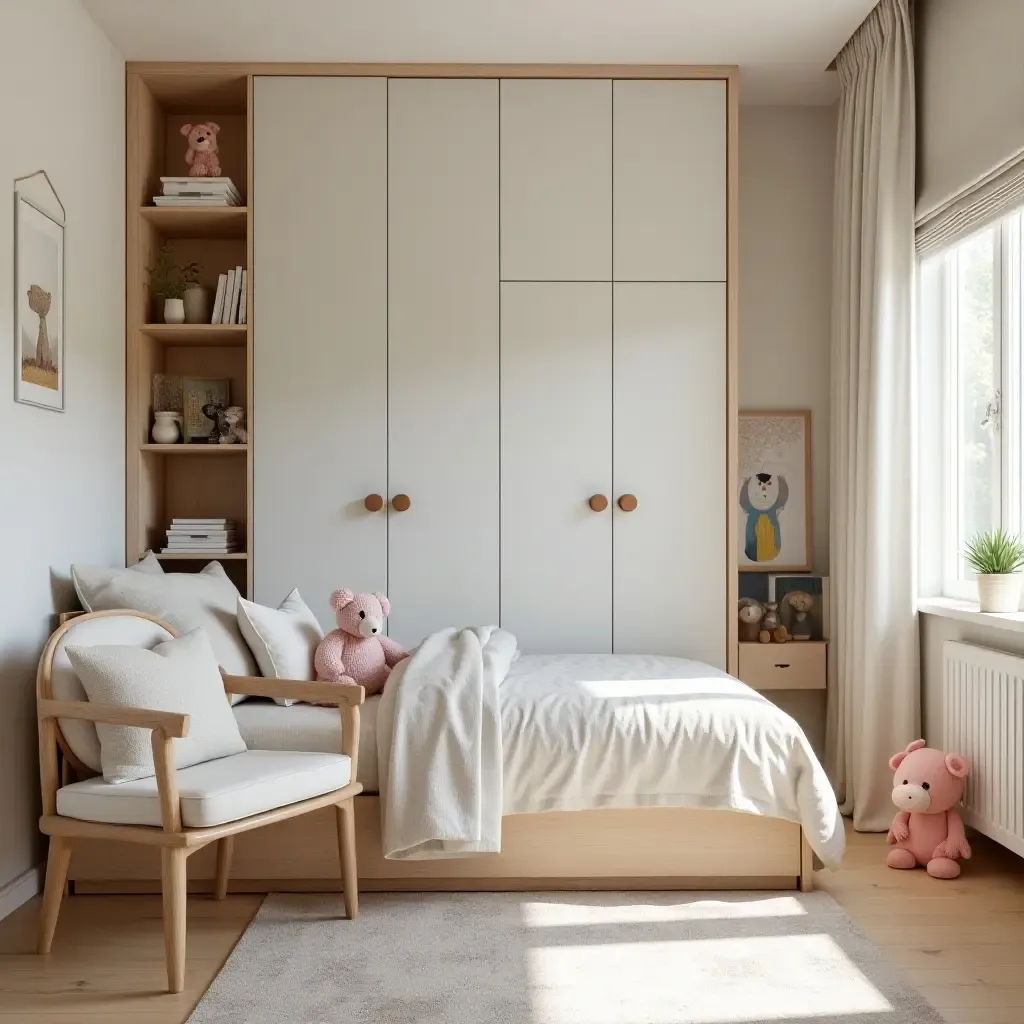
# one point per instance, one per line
(229, 303)
(201, 537)
(187, 191)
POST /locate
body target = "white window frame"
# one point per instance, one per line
(938, 406)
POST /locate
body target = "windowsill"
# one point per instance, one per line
(967, 611)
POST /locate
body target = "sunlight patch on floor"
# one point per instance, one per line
(704, 981)
(542, 914)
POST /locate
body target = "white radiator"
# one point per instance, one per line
(983, 716)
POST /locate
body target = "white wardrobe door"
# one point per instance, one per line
(556, 180)
(320, 344)
(442, 353)
(556, 451)
(670, 432)
(670, 181)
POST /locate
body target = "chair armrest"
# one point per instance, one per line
(171, 723)
(293, 689)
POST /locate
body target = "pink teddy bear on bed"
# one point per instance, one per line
(201, 157)
(928, 831)
(358, 651)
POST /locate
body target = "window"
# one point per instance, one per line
(969, 317)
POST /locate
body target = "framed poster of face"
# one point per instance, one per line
(774, 522)
(38, 306)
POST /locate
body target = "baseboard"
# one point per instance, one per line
(21, 889)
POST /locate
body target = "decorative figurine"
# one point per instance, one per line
(751, 612)
(801, 602)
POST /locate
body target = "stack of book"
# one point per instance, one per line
(187, 191)
(201, 537)
(229, 303)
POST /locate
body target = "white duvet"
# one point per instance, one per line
(597, 730)
(579, 732)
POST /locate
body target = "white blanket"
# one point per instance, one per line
(439, 750)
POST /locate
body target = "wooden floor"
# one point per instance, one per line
(961, 943)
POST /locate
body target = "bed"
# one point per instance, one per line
(619, 771)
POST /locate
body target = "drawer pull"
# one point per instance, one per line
(779, 664)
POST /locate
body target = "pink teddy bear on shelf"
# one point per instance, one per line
(201, 157)
(358, 651)
(928, 831)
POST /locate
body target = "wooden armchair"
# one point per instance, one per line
(179, 811)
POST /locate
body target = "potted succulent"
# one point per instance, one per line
(997, 558)
(168, 283)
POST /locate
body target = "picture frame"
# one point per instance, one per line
(774, 525)
(39, 306)
(197, 392)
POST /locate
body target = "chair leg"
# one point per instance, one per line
(173, 863)
(346, 812)
(57, 861)
(225, 847)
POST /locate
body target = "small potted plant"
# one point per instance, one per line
(196, 297)
(168, 283)
(997, 558)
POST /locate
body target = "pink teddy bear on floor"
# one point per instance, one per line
(201, 157)
(928, 831)
(358, 651)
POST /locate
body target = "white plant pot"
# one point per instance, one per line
(1000, 592)
(174, 311)
(166, 428)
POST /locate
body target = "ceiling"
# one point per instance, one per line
(783, 47)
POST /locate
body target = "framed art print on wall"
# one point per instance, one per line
(38, 306)
(774, 522)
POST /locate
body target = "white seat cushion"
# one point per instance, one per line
(266, 726)
(213, 792)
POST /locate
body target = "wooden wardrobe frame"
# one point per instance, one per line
(642, 848)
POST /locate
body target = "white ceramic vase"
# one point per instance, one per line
(197, 304)
(174, 311)
(1000, 592)
(167, 428)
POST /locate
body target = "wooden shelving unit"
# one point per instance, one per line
(164, 481)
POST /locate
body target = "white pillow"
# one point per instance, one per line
(283, 639)
(183, 600)
(176, 675)
(148, 564)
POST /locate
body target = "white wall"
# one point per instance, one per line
(786, 171)
(61, 475)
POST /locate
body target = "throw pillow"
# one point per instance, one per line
(183, 600)
(176, 675)
(283, 640)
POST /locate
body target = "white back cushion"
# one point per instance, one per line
(127, 630)
(181, 675)
(183, 600)
(283, 640)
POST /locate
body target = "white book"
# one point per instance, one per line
(218, 302)
(228, 291)
(204, 552)
(237, 295)
(242, 305)
(185, 179)
(200, 187)
(180, 536)
(187, 521)
(192, 201)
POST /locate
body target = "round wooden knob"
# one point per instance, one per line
(598, 502)
(373, 502)
(401, 502)
(627, 502)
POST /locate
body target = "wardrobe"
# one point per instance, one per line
(490, 360)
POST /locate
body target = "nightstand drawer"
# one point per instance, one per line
(797, 665)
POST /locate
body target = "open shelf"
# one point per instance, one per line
(197, 334)
(195, 449)
(202, 556)
(197, 221)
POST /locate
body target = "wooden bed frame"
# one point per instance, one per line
(641, 849)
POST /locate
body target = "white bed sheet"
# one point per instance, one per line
(588, 730)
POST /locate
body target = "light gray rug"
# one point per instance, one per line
(559, 958)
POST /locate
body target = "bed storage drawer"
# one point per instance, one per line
(797, 665)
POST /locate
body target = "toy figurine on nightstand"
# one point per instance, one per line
(801, 603)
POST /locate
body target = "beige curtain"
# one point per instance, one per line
(874, 696)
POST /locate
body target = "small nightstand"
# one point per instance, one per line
(796, 665)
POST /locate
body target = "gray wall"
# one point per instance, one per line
(61, 475)
(786, 169)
